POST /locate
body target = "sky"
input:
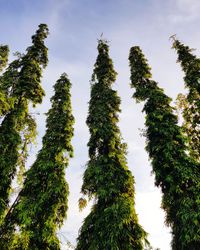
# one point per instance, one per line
(75, 26)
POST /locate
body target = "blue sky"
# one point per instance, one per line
(75, 26)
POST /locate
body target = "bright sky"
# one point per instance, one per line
(75, 26)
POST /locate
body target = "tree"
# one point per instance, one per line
(21, 82)
(4, 51)
(189, 104)
(112, 223)
(42, 204)
(176, 173)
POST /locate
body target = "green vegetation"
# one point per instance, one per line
(42, 203)
(4, 51)
(21, 82)
(190, 103)
(112, 223)
(176, 173)
(31, 219)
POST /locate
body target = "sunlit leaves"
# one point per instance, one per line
(175, 172)
(112, 222)
(21, 84)
(189, 105)
(4, 51)
(43, 200)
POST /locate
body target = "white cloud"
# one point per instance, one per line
(189, 6)
(185, 10)
(153, 220)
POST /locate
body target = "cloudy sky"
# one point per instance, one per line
(75, 26)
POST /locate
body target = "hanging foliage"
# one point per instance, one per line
(42, 203)
(4, 51)
(189, 104)
(21, 83)
(176, 173)
(113, 222)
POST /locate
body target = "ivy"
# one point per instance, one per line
(176, 173)
(189, 104)
(4, 51)
(112, 223)
(42, 204)
(22, 88)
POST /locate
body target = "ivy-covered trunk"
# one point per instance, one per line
(4, 105)
(21, 83)
(42, 203)
(176, 173)
(112, 223)
(9, 152)
(190, 103)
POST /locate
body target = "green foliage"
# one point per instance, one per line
(8, 82)
(21, 83)
(112, 223)
(82, 202)
(190, 65)
(4, 51)
(4, 106)
(191, 123)
(42, 204)
(190, 103)
(175, 172)
(10, 141)
(28, 134)
(28, 85)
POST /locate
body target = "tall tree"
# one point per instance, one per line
(22, 82)
(176, 173)
(42, 204)
(190, 103)
(112, 223)
(4, 51)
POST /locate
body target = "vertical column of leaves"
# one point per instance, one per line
(175, 172)
(8, 81)
(10, 142)
(190, 103)
(22, 83)
(42, 204)
(4, 51)
(112, 222)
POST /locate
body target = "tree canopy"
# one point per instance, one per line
(113, 222)
(31, 220)
(42, 204)
(21, 83)
(190, 103)
(176, 173)
(4, 51)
